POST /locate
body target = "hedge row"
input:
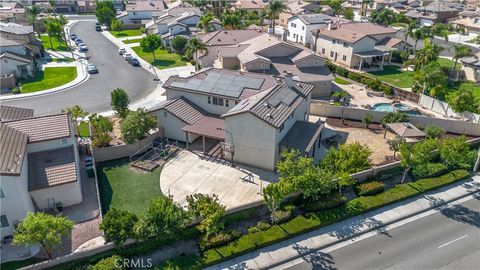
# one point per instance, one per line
(370, 188)
(308, 222)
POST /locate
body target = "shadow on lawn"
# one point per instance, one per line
(37, 77)
(163, 63)
(388, 70)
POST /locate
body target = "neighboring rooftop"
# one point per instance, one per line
(318, 18)
(227, 37)
(8, 42)
(355, 31)
(8, 113)
(15, 28)
(183, 109)
(51, 168)
(150, 5)
(13, 144)
(302, 136)
(43, 128)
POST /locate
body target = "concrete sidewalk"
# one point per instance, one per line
(351, 228)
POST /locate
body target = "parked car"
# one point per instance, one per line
(98, 28)
(121, 51)
(73, 36)
(91, 68)
(127, 56)
(78, 41)
(134, 62)
(82, 47)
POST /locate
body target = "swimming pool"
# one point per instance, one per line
(399, 107)
(383, 107)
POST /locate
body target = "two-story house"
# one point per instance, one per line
(15, 59)
(13, 12)
(141, 12)
(300, 27)
(39, 165)
(299, 7)
(437, 12)
(23, 34)
(357, 45)
(256, 115)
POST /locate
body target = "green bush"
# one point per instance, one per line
(387, 89)
(387, 174)
(428, 170)
(261, 226)
(114, 262)
(354, 76)
(328, 202)
(435, 182)
(16, 91)
(190, 262)
(219, 239)
(370, 188)
(281, 216)
(241, 215)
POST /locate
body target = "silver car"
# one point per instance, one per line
(91, 69)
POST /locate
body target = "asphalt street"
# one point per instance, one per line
(449, 239)
(93, 95)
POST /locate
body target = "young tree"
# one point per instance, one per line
(291, 167)
(179, 44)
(194, 46)
(394, 144)
(105, 12)
(417, 155)
(120, 102)
(367, 119)
(432, 131)
(315, 183)
(54, 30)
(344, 180)
(463, 100)
(350, 158)
(275, 7)
(76, 112)
(43, 229)
(406, 161)
(460, 51)
(209, 210)
(348, 13)
(151, 43)
(117, 226)
(116, 25)
(429, 53)
(102, 126)
(136, 125)
(455, 152)
(274, 194)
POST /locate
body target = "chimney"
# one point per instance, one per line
(329, 26)
(289, 79)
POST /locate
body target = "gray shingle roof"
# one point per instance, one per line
(8, 113)
(51, 168)
(15, 28)
(43, 128)
(302, 136)
(17, 57)
(13, 144)
(184, 109)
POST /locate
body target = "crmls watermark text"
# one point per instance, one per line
(133, 263)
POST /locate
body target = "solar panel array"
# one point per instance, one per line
(284, 95)
(221, 84)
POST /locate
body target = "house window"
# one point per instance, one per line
(303, 27)
(323, 50)
(226, 103)
(331, 54)
(4, 221)
(345, 44)
(236, 102)
(281, 127)
(215, 101)
(294, 35)
(209, 100)
(334, 41)
(165, 114)
(220, 101)
(301, 38)
(2, 194)
(344, 58)
(5, 60)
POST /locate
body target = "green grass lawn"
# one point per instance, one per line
(57, 46)
(83, 130)
(124, 188)
(49, 78)
(59, 60)
(19, 264)
(342, 81)
(129, 41)
(126, 33)
(394, 76)
(164, 58)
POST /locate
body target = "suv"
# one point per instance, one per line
(73, 36)
(121, 51)
(134, 62)
(91, 69)
(127, 56)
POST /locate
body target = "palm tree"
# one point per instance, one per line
(460, 52)
(440, 30)
(205, 22)
(418, 35)
(364, 8)
(409, 29)
(52, 5)
(427, 54)
(32, 15)
(274, 9)
(193, 46)
(231, 20)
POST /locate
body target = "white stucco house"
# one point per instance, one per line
(141, 12)
(15, 59)
(257, 115)
(300, 27)
(39, 166)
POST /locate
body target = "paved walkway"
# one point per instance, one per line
(350, 229)
(457, 38)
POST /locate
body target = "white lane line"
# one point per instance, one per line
(453, 241)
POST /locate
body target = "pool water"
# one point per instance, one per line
(402, 107)
(388, 107)
(383, 107)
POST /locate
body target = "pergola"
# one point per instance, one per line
(206, 127)
(378, 51)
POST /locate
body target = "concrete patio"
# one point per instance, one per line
(188, 173)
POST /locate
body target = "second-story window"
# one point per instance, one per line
(323, 50)
(220, 101)
(215, 101)
(226, 103)
(344, 58)
(209, 100)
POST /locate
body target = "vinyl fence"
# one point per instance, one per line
(443, 109)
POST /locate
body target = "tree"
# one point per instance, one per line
(117, 226)
(460, 52)
(231, 20)
(120, 102)
(32, 13)
(76, 112)
(409, 32)
(350, 158)
(105, 12)
(429, 53)
(163, 219)
(205, 22)
(274, 194)
(150, 43)
(116, 25)
(179, 43)
(432, 131)
(209, 210)
(383, 17)
(52, 5)
(431, 79)
(463, 100)
(417, 155)
(136, 125)
(455, 152)
(54, 29)
(394, 144)
(291, 167)
(195, 45)
(348, 13)
(440, 30)
(44, 229)
(316, 182)
(275, 7)
(367, 119)
(344, 180)
(336, 6)
(102, 126)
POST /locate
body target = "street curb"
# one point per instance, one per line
(370, 229)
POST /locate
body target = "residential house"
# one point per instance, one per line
(438, 12)
(300, 27)
(90, 5)
(39, 165)
(250, 5)
(22, 34)
(15, 59)
(12, 12)
(141, 12)
(358, 45)
(471, 25)
(299, 7)
(268, 55)
(255, 115)
(217, 39)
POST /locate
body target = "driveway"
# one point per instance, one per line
(94, 94)
(187, 173)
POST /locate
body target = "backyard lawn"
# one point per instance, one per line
(124, 188)
(394, 76)
(129, 41)
(164, 58)
(49, 78)
(127, 33)
(57, 46)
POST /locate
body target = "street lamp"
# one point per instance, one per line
(231, 149)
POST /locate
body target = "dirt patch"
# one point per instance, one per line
(116, 133)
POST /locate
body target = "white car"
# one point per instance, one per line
(121, 51)
(82, 47)
(127, 56)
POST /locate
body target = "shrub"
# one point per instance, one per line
(428, 170)
(218, 239)
(114, 262)
(370, 188)
(241, 215)
(354, 76)
(190, 262)
(432, 131)
(328, 202)
(426, 184)
(281, 216)
(16, 91)
(387, 89)
(261, 226)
